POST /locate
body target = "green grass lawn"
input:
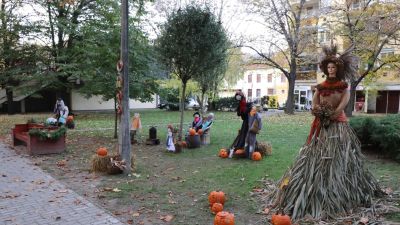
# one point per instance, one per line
(179, 184)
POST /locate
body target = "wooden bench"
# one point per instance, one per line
(20, 136)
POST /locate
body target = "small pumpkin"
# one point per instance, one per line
(216, 208)
(222, 150)
(192, 132)
(200, 131)
(280, 219)
(102, 151)
(223, 154)
(216, 197)
(224, 218)
(256, 156)
(70, 118)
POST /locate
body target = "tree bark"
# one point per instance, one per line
(116, 119)
(350, 106)
(182, 109)
(125, 147)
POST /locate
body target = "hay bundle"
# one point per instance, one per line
(264, 148)
(100, 163)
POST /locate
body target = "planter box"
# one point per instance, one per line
(20, 135)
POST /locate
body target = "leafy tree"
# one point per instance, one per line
(18, 61)
(187, 45)
(288, 39)
(370, 29)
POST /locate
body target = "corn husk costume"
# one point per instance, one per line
(328, 177)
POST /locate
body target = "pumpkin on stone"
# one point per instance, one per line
(184, 144)
(217, 207)
(224, 218)
(70, 118)
(256, 156)
(102, 151)
(200, 131)
(216, 197)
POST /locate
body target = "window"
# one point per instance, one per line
(249, 93)
(258, 78)
(324, 36)
(270, 91)
(249, 78)
(283, 78)
(269, 78)
(258, 93)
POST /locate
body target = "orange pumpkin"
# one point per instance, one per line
(102, 151)
(216, 197)
(224, 218)
(217, 207)
(223, 154)
(280, 219)
(256, 156)
(221, 151)
(200, 131)
(70, 118)
(192, 132)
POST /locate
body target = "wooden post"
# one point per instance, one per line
(125, 144)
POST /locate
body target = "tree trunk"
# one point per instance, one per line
(290, 99)
(116, 119)
(350, 106)
(10, 102)
(201, 103)
(125, 147)
(182, 109)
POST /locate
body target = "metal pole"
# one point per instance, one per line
(125, 144)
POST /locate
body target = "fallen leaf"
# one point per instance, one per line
(116, 190)
(266, 211)
(136, 214)
(168, 218)
(63, 191)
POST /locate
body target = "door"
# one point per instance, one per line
(381, 102)
(393, 101)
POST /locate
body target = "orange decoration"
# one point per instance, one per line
(217, 207)
(280, 219)
(216, 197)
(222, 151)
(224, 218)
(102, 151)
(70, 118)
(192, 132)
(256, 156)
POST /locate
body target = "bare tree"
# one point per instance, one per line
(288, 36)
(370, 27)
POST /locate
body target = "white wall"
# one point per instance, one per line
(79, 102)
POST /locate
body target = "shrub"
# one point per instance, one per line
(382, 134)
(227, 103)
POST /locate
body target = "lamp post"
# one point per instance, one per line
(124, 140)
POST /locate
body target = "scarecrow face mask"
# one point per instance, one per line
(238, 97)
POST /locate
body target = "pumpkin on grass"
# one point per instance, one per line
(216, 197)
(224, 218)
(256, 156)
(217, 207)
(223, 153)
(280, 219)
(102, 151)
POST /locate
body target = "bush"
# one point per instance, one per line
(228, 103)
(382, 134)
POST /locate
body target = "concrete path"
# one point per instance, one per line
(30, 196)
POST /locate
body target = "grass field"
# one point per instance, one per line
(178, 184)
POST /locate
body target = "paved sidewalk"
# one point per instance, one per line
(30, 196)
